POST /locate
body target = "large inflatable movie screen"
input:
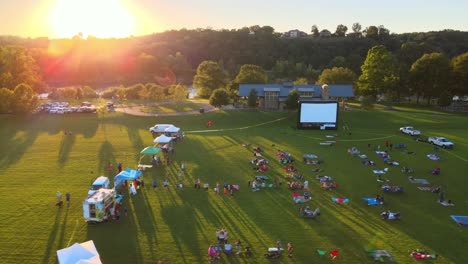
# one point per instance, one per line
(318, 114)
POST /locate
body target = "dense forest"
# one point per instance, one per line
(172, 57)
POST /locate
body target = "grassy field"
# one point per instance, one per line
(37, 159)
(171, 107)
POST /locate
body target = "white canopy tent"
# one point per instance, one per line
(163, 139)
(160, 128)
(172, 129)
(79, 254)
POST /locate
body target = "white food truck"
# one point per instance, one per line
(98, 206)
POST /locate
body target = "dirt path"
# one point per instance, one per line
(136, 110)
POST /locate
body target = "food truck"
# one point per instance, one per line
(99, 206)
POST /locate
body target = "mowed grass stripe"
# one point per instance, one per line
(36, 160)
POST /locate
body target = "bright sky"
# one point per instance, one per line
(121, 18)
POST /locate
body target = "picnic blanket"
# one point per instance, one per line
(310, 156)
(420, 181)
(427, 189)
(380, 152)
(378, 171)
(340, 200)
(460, 219)
(371, 201)
(362, 156)
(445, 203)
(433, 157)
(379, 254)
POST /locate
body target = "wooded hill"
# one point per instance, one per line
(172, 57)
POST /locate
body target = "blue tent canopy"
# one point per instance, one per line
(127, 175)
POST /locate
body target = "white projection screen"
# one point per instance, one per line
(318, 114)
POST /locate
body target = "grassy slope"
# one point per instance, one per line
(36, 160)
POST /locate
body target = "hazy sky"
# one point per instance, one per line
(118, 18)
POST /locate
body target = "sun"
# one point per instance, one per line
(99, 18)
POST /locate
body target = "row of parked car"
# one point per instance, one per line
(438, 141)
(65, 108)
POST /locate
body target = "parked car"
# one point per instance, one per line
(409, 130)
(441, 142)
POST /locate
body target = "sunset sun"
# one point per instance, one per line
(103, 18)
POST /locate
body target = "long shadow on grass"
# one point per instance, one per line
(106, 157)
(184, 226)
(17, 135)
(65, 147)
(143, 212)
(52, 237)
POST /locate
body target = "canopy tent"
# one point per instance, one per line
(79, 254)
(162, 139)
(160, 128)
(172, 129)
(127, 175)
(150, 151)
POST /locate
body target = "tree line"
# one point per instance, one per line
(174, 57)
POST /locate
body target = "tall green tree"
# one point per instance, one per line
(356, 29)
(460, 74)
(252, 99)
(429, 75)
(337, 75)
(292, 101)
(209, 77)
(179, 93)
(219, 97)
(378, 72)
(341, 30)
(250, 74)
(24, 99)
(372, 32)
(17, 66)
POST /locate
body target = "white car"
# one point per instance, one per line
(409, 130)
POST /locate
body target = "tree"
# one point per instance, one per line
(341, 30)
(337, 75)
(356, 30)
(17, 66)
(88, 92)
(301, 81)
(378, 72)
(251, 74)
(460, 74)
(209, 77)
(24, 99)
(372, 32)
(5, 100)
(315, 31)
(252, 99)
(79, 93)
(292, 102)
(383, 32)
(219, 98)
(429, 75)
(233, 90)
(180, 93)
(338, 61)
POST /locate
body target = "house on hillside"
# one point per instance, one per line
(273, 96)
(295, 33)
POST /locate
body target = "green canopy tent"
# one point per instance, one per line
(149, 151)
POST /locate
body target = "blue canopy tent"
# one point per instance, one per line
(125, 175)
